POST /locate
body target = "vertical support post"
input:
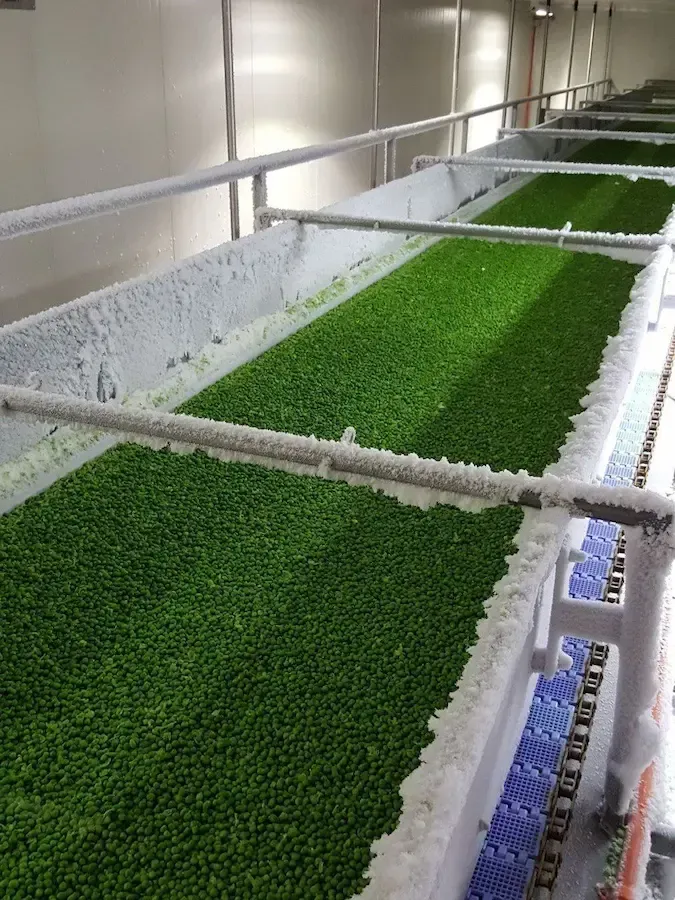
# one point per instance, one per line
(608, 46)
(561, 580)
(591, 44)
(514, 115)
(259, 198)
(230, 114)
(544, 49)
(573, 35)
(389, 161)
(465, 136)
(635, 734)
(376, 88)
(455, 69)
(509, 58)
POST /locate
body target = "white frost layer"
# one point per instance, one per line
(668, 230)
(658, 173)
(57, 454)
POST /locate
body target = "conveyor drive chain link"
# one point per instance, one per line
(550, 858)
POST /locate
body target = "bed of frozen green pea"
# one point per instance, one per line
(214, 677)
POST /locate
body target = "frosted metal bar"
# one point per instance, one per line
(470, 229)
(591, 44)
(573, 34)
(509, 57)
(620, 105)
(654, 173)
(635, 735)
(230, 113)
(608, 44)
(455, 67)
(544, 51)
(376, 88)
(606, 116)
(341, 460)
(592, 621)
(645, 137)
(74, 209)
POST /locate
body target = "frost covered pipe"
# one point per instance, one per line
(230, 112)
(74, 209)
(645, 137)
(509, 59)
(394, 474)
(553, 649)
(668, 230)
(573, 34)
(608, 44)
(544, 51)
(592, 621)
(619, 105)
(376, 88)
(653, 173)
(591, 45)
(455, 68)
(606, 116)
(512, 233)
(635, 734)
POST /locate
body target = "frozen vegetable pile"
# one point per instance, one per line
(214, 677)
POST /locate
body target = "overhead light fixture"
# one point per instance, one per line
(542, 11)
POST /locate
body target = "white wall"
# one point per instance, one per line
(643, 46)
(417, 62)
(416, 72)
(303, 75)
(557, 57)
(483, 63)
(95, 95)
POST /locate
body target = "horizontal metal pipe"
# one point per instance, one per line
(593, 621)
(620, 105)
(654, 173)
(645, 137)
(469, 229)
(343, 461)
(62, 212)
(606, 116)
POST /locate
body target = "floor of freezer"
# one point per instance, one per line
(219, 675)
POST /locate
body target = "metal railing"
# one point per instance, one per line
(648, 518)
(15, 223)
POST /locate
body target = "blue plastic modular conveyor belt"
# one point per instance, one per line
(512, 845)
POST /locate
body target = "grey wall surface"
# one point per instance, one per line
(96, 95)
(641, 44)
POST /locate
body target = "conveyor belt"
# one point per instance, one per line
(523, 847)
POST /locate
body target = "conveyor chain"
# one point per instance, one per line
(562, 806)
